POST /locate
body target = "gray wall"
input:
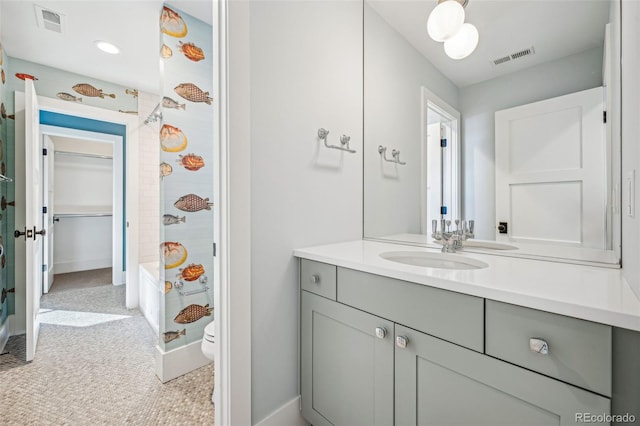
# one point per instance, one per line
(394, 74)
(306, 73)
(480, 101)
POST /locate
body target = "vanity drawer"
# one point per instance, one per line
(318, 278)
(455, 317)
(579, 352)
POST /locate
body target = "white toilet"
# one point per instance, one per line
(208, 341)
(209, 344)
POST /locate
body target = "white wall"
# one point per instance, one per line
(148, 180)
(630, 133)
(306, 73)
(395, 73)
(480, 101)
(82, 184)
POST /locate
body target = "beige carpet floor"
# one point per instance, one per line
(81, 279)
(101, 374)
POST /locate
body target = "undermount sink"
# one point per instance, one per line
(433, 260)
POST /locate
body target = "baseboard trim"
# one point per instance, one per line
(4, 335)
(287, 415)
(179, 361)
(82, 265)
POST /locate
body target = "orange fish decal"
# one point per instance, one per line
(191, 51)
(172, 139)
(23, 76)
(191, 162)
(191, 272)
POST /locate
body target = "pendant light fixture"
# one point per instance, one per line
(445, 20)
(446, 24)
(463, 43)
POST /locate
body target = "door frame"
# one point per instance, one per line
(116, 141)
(131, 122)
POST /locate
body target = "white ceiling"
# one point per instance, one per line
(555, 28)
(131, 25)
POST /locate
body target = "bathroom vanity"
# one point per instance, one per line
(517, 341)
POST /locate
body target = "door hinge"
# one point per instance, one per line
(443, 143)
(44, 209)
(604, 116)
(214, 249)
(44, 151)
(443, 210)
(44, 268)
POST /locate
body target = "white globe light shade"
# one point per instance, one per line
(445, 20)
(463, 43)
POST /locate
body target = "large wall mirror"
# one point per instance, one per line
(514, 136)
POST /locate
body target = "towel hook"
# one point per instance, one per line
(395, 155)
(344, 141)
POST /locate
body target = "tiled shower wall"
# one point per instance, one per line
(148, 180)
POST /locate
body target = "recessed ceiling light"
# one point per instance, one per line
(107, 47)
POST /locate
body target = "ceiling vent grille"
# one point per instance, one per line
(49, 19)
(517, 55)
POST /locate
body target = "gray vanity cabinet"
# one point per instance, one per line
(438, 383)
(380, 351)
(346, 364)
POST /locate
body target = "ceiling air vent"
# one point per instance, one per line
(49, 19)
(517, 55)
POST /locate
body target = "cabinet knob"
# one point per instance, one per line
(381, 332)
(315, 279)
(539, 346)
(402, 341)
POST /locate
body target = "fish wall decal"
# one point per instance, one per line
(172, 139)
(133, 92)
(193, 93)
(89, 90)
(193, 313)
(191, 51)
(192, 203)
(173, 335)
(165, 169)
(23, 76)
(192, 272)
(174, 254)
(169, 219)
(68, 97)
(171, 23)
(166, 52)
(191, 162)
(3, 77)
(167, 102)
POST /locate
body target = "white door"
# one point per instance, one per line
(47, 189)
(33, 217)
(550, 171)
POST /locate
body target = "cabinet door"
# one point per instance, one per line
(439, 383)
(346, 369)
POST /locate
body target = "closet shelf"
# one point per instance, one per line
(82, 154)
(82, 211)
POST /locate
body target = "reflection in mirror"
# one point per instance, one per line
(514, 135)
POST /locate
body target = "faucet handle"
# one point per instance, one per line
(471, 225)
(434, 226)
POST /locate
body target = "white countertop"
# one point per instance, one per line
(587, 292)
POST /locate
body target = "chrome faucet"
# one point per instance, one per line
(452, 240)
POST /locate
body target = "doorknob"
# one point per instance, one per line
(28, 233)
(41, 232)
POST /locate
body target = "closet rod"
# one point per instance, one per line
(82, 154)
(63, 215)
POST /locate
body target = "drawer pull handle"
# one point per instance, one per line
(381, 332)
(315, 279)
(538, 345)
(402, 341)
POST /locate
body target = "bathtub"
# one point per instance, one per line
(151, 291)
